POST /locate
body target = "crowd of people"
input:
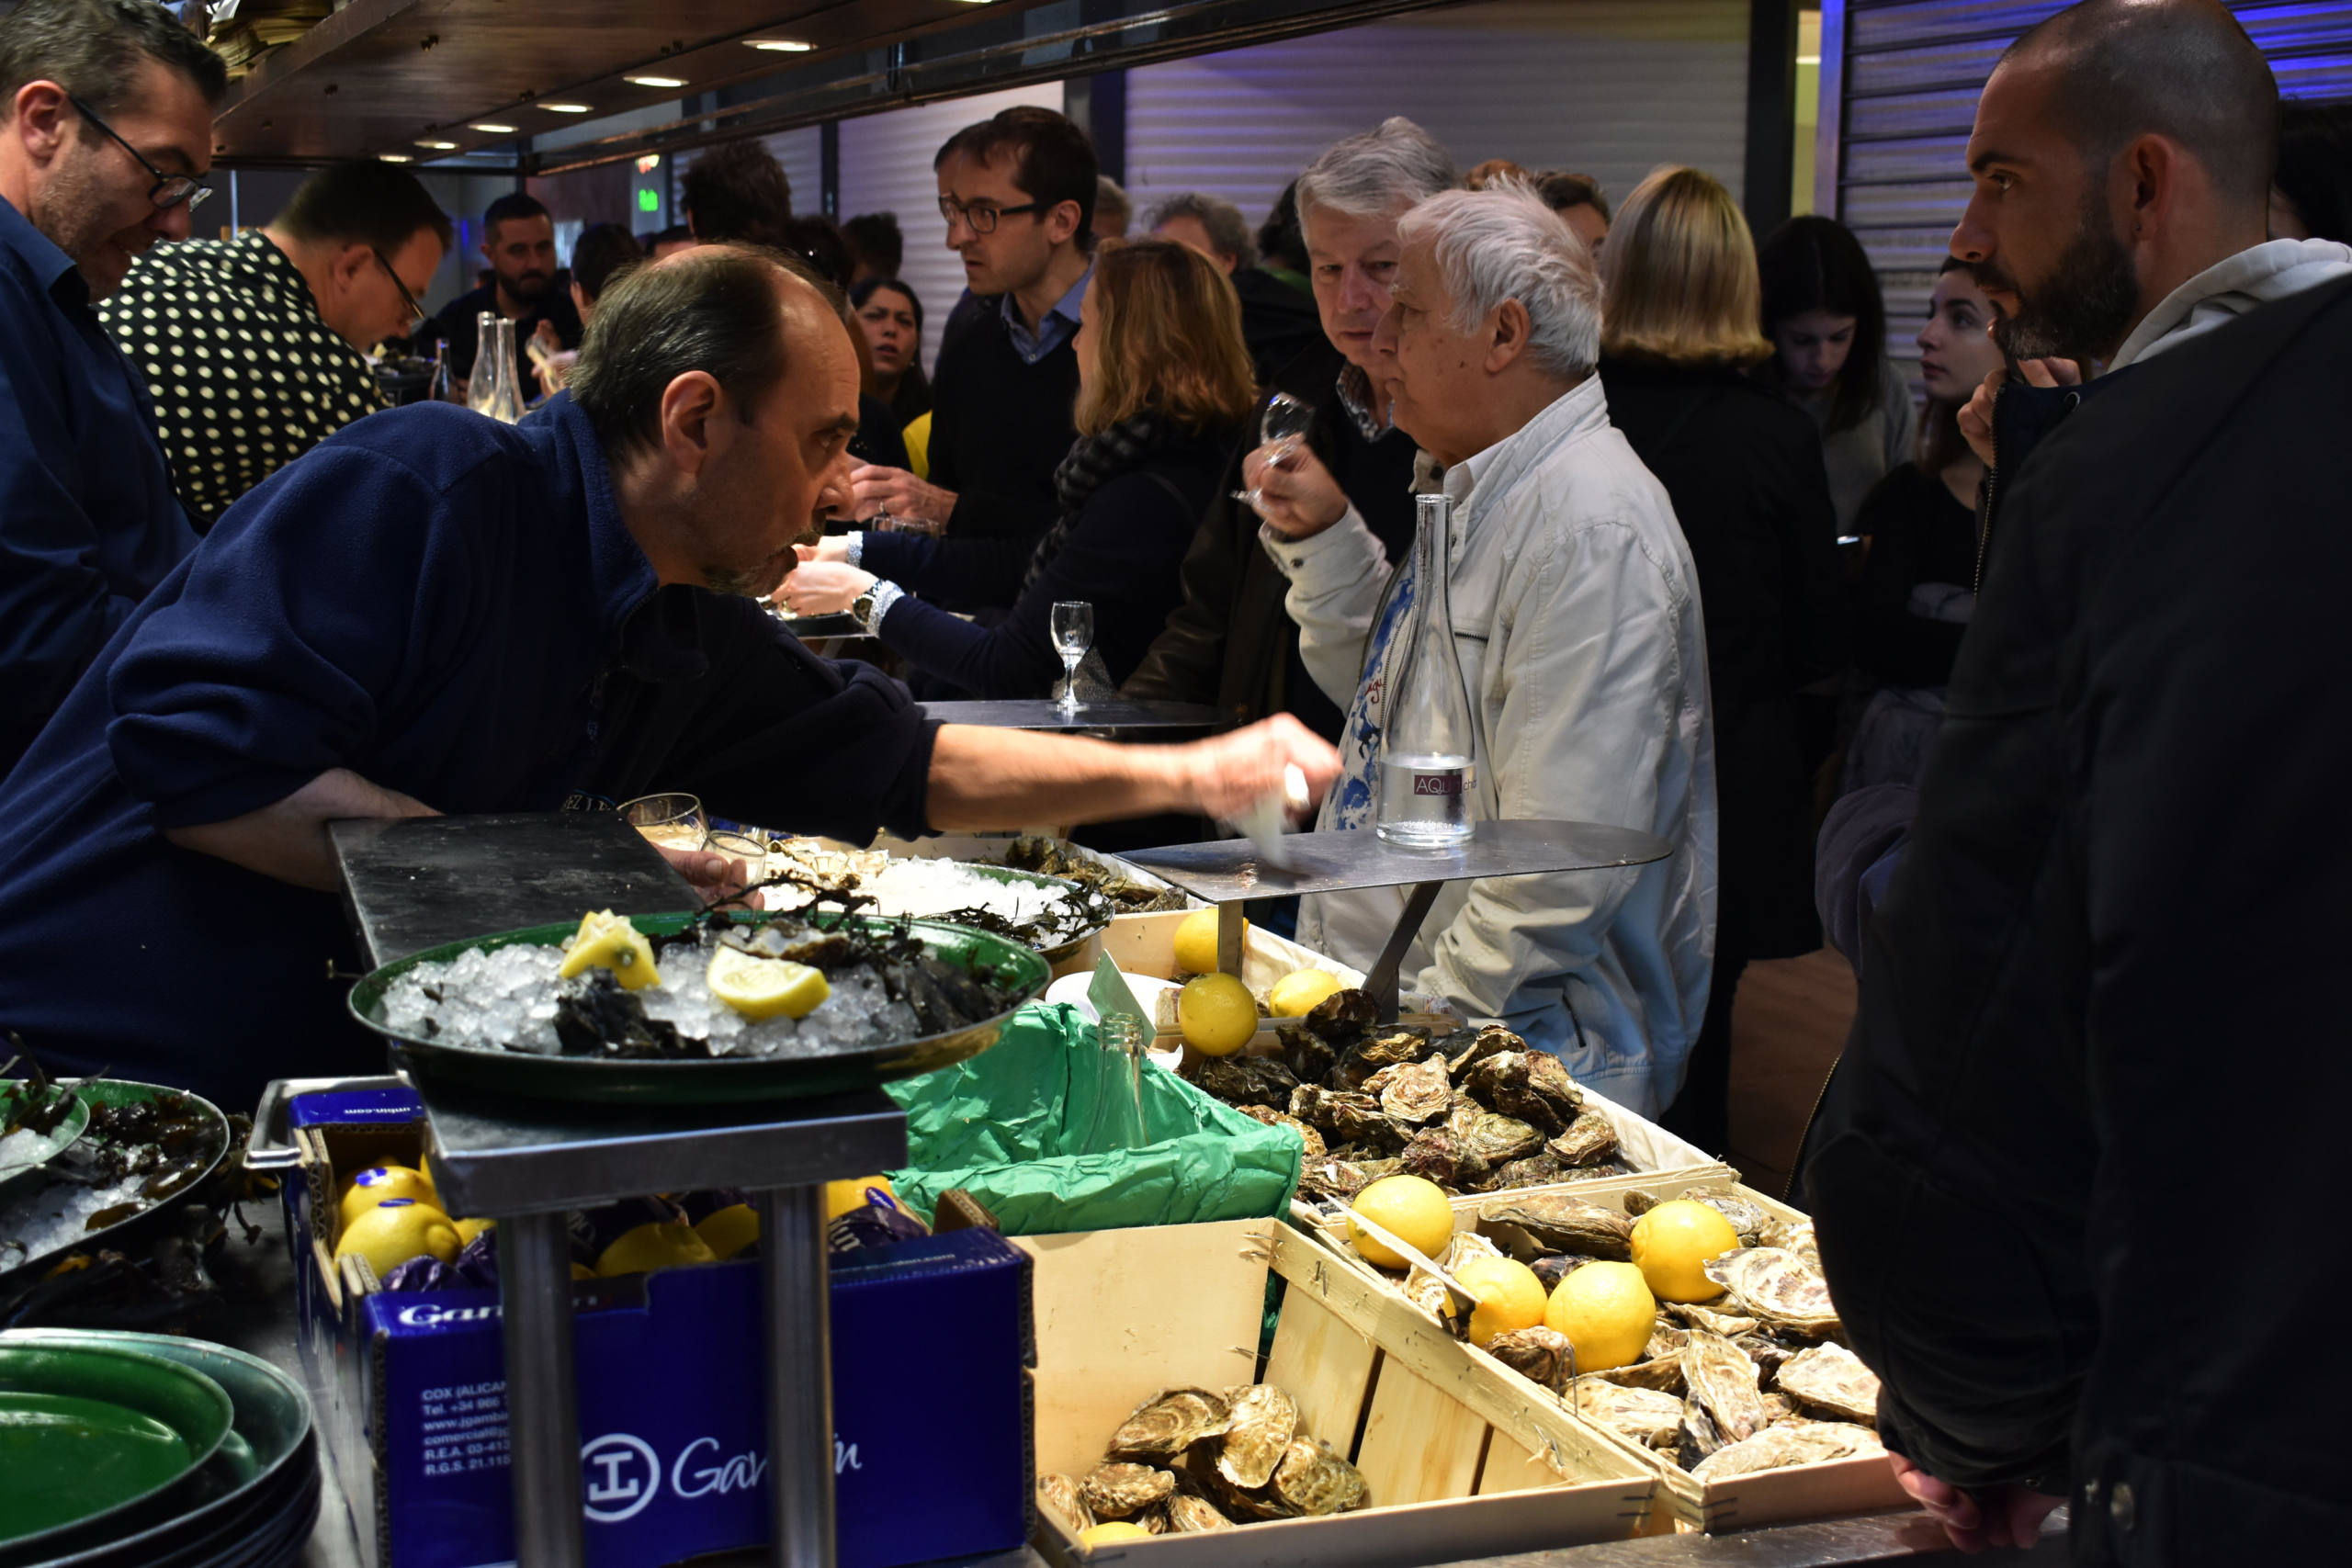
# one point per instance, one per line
(2039, 642)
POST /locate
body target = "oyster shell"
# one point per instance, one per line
(1564, 1224)
(1367, 1059)
(1590, 1138)
(1433, 1154)
(1305, 1054)
(1188, 1515)
(1777, 1448)
(1491, 1041)
(1315, 1479)
(1780, 1409)
(1262, 1423)
(1120, 1490)
(1776, 1288)
(1713, 1319)
(1766, 1349)
(1700, 1437)
(1153, 1519)
(1554, 1267)
(1242, 1080)
(1342, 1015)
(1665, 1340)
(1747, 1217)
(1346, 1118)
(1832, 1377)
(1792, 1235)
(1343, 1179)
(1058, 1495)
(1723, 1380)
(1606, 1168)
(1167, 1424)
(1649, 1417)
(1412, 1093)
(1498, 1139)
(1663, 1373)
(1539, 1354)
(1535, 1170)
(1307, 1136)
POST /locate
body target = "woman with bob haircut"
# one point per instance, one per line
(1827, 320)
(1164, 386)
(1744, 469)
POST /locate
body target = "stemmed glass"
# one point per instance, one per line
(1282, 426)
(668, 821)
(1073, 636)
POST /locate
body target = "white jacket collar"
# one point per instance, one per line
(2229, 289)
(1574, 414)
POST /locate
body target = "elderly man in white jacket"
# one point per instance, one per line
(1576, 612)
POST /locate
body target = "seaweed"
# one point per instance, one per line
(594, 1017)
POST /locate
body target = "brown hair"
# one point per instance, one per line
(1493, 172)
(1679, 275)
(1170, 338)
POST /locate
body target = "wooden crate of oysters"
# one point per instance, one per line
(1475, 1110)
(1362, 1435)
(1685, 1316)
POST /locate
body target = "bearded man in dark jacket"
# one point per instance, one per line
(2122, 878)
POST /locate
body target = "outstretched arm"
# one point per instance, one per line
(985, 779)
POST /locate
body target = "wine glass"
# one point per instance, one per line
(1073, 635)
(1282, 426)
(668, 821)
(754, 853)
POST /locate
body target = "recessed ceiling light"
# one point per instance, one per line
(495, 129)
(393, 158)
(656, 81)
(781, 45)
(1808, 60)
(565, 108)
(439, 146)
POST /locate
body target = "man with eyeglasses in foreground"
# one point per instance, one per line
(256, 348)
(106, 133)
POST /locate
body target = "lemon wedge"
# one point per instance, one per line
(762, 987)
(608, 941)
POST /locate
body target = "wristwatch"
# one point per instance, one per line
(870, 607)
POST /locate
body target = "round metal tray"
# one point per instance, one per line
(713, 1080)
(125, 1236)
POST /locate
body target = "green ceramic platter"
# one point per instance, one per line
(719, 1081)
(88, 1431)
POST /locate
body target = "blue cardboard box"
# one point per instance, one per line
(932, 1344)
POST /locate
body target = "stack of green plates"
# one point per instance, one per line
(144, 1450)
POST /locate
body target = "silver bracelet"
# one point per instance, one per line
(854, 551)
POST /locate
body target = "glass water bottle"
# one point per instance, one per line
(437, 388)
(484, 380)
(1427, 775)
(496, 393)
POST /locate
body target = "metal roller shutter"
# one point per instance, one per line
(798, 151)
(1891, 158)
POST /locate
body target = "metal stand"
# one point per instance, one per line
(1230, 871)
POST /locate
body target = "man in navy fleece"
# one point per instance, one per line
(434, 612)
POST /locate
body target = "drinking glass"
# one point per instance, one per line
(754, 853)
(1282, 426)
(1073, 636)
(668, 821)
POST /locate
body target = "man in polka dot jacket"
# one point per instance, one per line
(256, 348)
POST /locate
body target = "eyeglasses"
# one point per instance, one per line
(169, 190)
(414, 310)
(980, 217)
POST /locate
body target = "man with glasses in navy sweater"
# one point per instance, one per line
(106, 135)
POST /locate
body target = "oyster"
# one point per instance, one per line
(1498, 1140)
(1153, 1519)
(1780, 1409)
(1564, 1224)
(1746, 1216)
(1776, 1288)
(1723, 1381)
(1792, 1235)
(1058, 1494)
(1777, 1448)
(1342, 1015)
(1434, 1154)
(1367, 1059)
(1640, 1201)
(1305, 1054)
(1121, 1491)
(1346, 1118)
(1273, 1118)
(1167, 1424)
(1414, 1093)
(1700, 1437)
(1663, 1373)
(1590, 1138)
(1262, 1423)
(1535, 1170)
(1665, 1340)
(1554, 1267)
(1314, 1479)
(1343, 1179)
(1766, 1349)
(1607, 1167)
(1713, 1319)
(1480, 1044)
(1539, 1354)
(1832, 1377)
(1649, 1417)
(1188, 1515)
(1242, 1080)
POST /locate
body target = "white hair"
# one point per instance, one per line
(1374, 173)
(1503, 243)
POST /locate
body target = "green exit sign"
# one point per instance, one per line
(648, 201)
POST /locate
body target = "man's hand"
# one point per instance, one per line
(1233, 771)
(1976, 414)
(984, 780)
(1296, 494)
(874, 490)
(1999, 1516)
(822, 588)
(288, 840)
(715, 877)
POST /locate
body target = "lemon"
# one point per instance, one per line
(730, 1230)
(840, 1197)
(1197, 942)
(1672, 1244)
(1509, 1296)
(1412, 1209)
(396, 1230)
(1216, 1015)
(581, 1271)
(1109, 1531)
(762, 987)
(662, 1244)
(1295, 995)
(468, 1229)
(1607, 1312)
(377, 1182)
(608, 941)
